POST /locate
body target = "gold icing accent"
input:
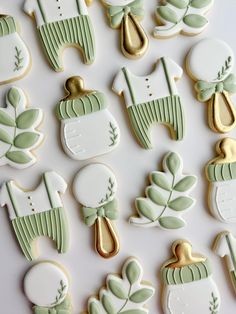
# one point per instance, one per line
(221, 113)
(88, 2)
(226, 150)
(74, 88)
(106, 239)
(183, 255)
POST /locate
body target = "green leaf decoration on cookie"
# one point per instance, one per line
(167, 197)
(26, 140)
(18, 157)
(5, 119)
(126, 294)
(5, 137)
(26, 119)
(180, 4)
(167, 14)
(198, 4)
(14, 97)
(195, 20)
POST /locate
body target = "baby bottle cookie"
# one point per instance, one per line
(167, 198)
(215, 81)
(123, 294)
(88, 129)
(18, 131)
(181, 16)
(126, 15)
(15, 57)
(46, 285)
(188, 286)
(152, 98)
(62, 24)
(38, 212)
(95, 188)
(221, 174)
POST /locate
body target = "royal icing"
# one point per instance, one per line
(215, 81)
(95, 187)
(188, 286)
(46, 285)
(167, 197)
(15, 56)
(126, 15)
(60, 25)
(221, 174)
(182, 16)
(88, 129)
(37, 212)
(152, 98)
(18, 130)
(125, 294)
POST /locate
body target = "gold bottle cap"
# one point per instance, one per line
(74, 88)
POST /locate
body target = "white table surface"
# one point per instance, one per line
(129, 161)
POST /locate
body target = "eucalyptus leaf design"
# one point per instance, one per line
(18, 134)
(187, 16)
(167, 197)
(126, 294)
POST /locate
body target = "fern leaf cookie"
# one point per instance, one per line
(125, 294)
(181, 16)
(18, 133)
(188, 285)
(46, 285)
(15, 57)
(167, 198)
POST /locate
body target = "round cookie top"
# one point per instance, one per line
(46, 284)
(94, 185)
(210, 60)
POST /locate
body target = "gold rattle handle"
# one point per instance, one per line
(106, 239)
(222, 114)
(134, 41)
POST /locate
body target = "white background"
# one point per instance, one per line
(129, 161)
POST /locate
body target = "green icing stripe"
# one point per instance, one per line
(73, 31)
(128, 82)
(12, 198)
(186, 274)
(231, 250)
(50, 223)
(7, 25)
(233, 278)
(68, 109)
(49, 192)
(42, 11)
(221, 172)
(167, 75)
(166, 110)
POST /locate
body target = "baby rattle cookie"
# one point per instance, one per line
(95, 187)
(221, 174)
(225, 247)
(88, 129)
(18, 130)
(123, 294)
(46, 285)
(62, 24)
(152, 98)
(167, 198)
(126, 16)
(188, 286)
(215, 81)
(15, 59)
(187, 17)
(38, 212)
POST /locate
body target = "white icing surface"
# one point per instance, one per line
(117, 2)
(41, 284)
(91, 184)
(206, 59)
(89, 136)
(8, 46)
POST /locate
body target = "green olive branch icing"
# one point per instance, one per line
(225, 68)
(113, 134)
(19, 60)
(167, 196)
(214, 304)
(110, 191)
(61, 293)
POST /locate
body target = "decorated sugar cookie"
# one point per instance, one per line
(62, 24)
(152, 98)
(123, 294)
(46, 285)
(95, 187)
(167, 198)
(38, 212)
(18, 131)
(126, 15)
(188, 286)
(15, 57)
(221, 174)
(215, 81)
(225, 247)
(88, 129)
(181, 16)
